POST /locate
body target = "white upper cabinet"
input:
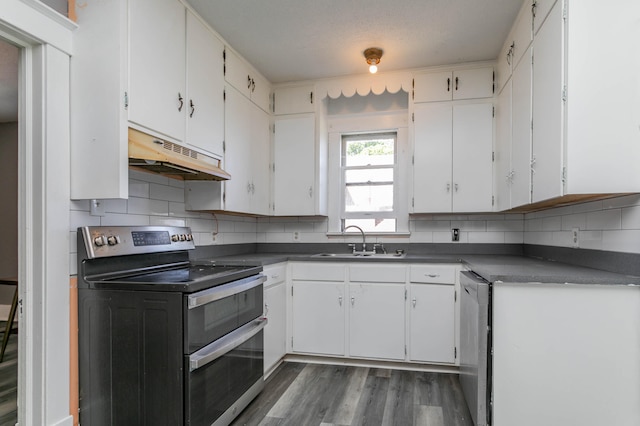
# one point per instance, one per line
(246, 80)
(294, 184)
(540, 9)
(293, 100)
(453, 158)
(157, 79)
(205, 87)
(453, 85)
(515, 45)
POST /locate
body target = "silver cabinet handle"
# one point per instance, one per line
(181, 100)
(353, 301)
(448, 187)
(455, 186)
(340, 300)
(414, 302)
(432, 275)
(275, 276)
(310, 191)
(225, 344)
(193, 108)
(266, 309)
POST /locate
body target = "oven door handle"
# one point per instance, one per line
(225, 344)
(225, 290)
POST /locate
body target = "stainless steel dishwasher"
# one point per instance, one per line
(475, 346)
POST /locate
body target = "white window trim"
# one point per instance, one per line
(393, 121)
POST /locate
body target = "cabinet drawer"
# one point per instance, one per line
(275, 274)
(438, 274)
(377, 273)
(318, 272)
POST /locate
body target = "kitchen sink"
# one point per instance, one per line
(357, 255)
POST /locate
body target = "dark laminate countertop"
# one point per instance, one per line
(494, 268)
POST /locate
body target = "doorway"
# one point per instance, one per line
(9, 87)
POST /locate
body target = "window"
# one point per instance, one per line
(368, 170)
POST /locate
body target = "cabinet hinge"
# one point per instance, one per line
(224, 95)
(493, 156)
(493, 83)
(224, 196)
(493, 111)
(224, 54)
(413, 159)
(564, 94)
(564, 175)
(413, 117)
(455, 352)
(274, 128)
(493, 200)
(292, 342)
(273, 166)
(291, 287)
(311, 97)
(564, 10)
(405, 350)
(224, 147)
(405, 294)
(455, 295)
(413, 202)
(126, 100)
(273, 105)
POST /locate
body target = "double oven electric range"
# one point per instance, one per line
(163, 340)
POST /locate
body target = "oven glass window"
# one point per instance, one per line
(215, 387)
(213, 320)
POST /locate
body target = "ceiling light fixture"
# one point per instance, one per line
(373, 55)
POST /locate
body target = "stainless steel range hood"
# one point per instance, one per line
(155, 155)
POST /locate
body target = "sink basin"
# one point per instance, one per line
(361, 255)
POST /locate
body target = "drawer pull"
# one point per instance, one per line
(276, 276)
(432, 275)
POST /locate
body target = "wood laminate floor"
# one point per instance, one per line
(322, 395)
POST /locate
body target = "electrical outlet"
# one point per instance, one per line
(455, 234)
(296, 236)
(575, 237)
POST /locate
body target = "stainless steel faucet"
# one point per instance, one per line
(364, 244)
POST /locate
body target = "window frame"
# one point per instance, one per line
(344, 168)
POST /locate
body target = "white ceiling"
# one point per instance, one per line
(8, 82)
(293, 40)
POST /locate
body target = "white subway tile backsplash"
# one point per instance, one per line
(115, 206)
(435, 225)
(514, 237)
(138, 189)
(627, 241)
(505, 225)
(576, 220)
(145, 206)
(486, 237)
(116, 219)
(82, 218)
(149, 177)
(604, 219)
(469, 225)
(630, 217)
(166, 221)
(591, 240)
(166, 193)
(80, 205)
(200, 225)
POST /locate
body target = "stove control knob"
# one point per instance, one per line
(183, 237)
(100, 240)
(175, 238)
(189, 237)
(112, 240)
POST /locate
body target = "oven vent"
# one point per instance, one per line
(156, 155)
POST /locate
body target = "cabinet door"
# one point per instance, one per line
(547, 145)
(293, 100)
(157, 78)
(433, 87)
(205, 88)
(432, 158)
(237, 156)
(275, 331)
(318, 317)
(521, 133)
(472, 162)
(432, 323)
(260, 92)
(376, 320)
(541, 9)
(502, 169)
(260, 154)
(472, 83)
(294, 157)
(236, 73)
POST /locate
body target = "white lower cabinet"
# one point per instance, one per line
(318, 317)
(377, 311)
(275, 309)
(432, 323)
